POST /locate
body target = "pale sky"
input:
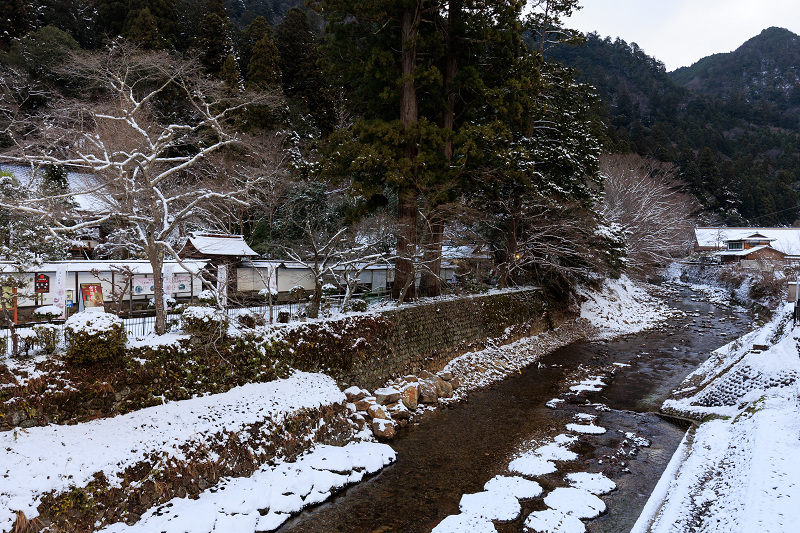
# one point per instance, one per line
(680, 32)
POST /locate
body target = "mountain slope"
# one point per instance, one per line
(730, 123)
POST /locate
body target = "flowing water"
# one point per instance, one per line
(454, 451)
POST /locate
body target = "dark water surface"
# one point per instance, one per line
(455, 451)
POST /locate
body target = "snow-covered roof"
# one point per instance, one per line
(213, 244)
(137, 266)
(89, 203)
(465, 252)
(743, 253)
(786, 240)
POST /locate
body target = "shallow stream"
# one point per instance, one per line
(451, 452)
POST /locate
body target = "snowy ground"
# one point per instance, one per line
(622, 307)
(56, 457)
(738, 472)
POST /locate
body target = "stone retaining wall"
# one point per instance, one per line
(369, 350)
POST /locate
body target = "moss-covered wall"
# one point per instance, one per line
(369, 350)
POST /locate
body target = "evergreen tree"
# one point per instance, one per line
(229, 73)
(300, 67)
(110, 19)
(214, 43)
(263, 69)
(144, 30)
(164, 15)
(16, 19)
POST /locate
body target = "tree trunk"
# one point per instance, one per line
(156, 258)
(407, 193)
(430, 283)
(511, 251)
(406, 245)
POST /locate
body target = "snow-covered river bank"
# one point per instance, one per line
(508, 430)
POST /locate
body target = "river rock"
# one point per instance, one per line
(398, 411)
(424, 374)
(364, 403)
(445, 389)
(354, 394)
(378, 411)
(386, 395)
(447, 376)
(410, 379)
(410, 396)
(384, 429)
(428, 392)
(455, 382)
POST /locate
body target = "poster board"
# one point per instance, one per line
(92, 295)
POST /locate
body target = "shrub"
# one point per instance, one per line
(207, 297)
(283, 317)
(767, 288)
(205, 322)
(47, 313)
(250, 319)
(47, 337)
(94, 336)
(26, 339)
(357, 305)
(265, 293)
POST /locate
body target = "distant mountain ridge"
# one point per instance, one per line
(730, 122)
(766, 66)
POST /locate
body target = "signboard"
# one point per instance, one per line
(182, 283)
(222, 284)
(60, 289)
(143, 286)
(69, 298)
(92, 294)
(42, 284)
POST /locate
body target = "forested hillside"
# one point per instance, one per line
(401, 130)
(730, 122)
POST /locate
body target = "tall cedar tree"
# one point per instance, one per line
(299, 63)
(162, 32)
(263, 70)
(16, 19)
(110, 18)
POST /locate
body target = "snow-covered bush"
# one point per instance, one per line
(265, 293)
(204, 322)
(250, 319)
(26, 339)
(47, 337)
(329, 289)
(297, 291)
(47, 313)
(94, 336)
(207, 297)
(357, 305)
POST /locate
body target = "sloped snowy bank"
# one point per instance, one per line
(57, 457)
(738, 471)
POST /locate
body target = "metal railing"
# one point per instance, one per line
(144, 324)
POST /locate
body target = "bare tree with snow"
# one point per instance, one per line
(141, 147)
(649, 204)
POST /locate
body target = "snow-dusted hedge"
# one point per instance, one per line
(47, 312)
(204, 321)
(207, 297)
(47, 337)
(94, 336)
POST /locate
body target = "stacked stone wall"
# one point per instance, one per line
(369, 350)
